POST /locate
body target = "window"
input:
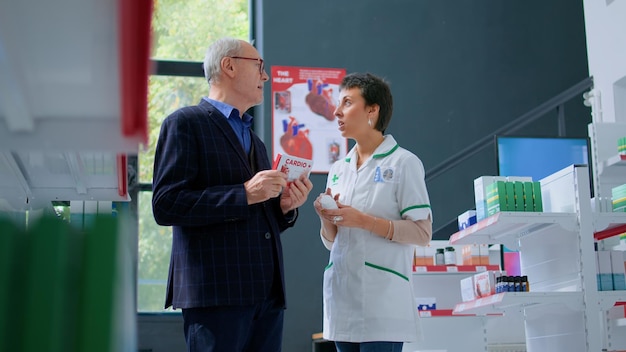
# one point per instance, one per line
(181, 32)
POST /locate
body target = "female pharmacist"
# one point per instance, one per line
(382, 211)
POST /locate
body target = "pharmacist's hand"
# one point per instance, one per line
(318, 206)
(345, 216)
(317, 203)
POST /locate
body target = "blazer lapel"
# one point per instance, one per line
(220, 121)
(260, 153)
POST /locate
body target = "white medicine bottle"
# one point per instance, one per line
(439, 257)
(449, 256)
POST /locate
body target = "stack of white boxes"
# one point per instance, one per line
(611, 270)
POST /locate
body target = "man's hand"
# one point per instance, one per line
(264, 185)
(296, 194)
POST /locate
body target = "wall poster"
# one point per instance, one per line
(303, 120)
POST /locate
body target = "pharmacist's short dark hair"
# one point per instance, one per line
(375, 90)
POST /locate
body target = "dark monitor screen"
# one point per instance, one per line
(539, 157)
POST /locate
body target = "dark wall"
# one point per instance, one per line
(459, 70)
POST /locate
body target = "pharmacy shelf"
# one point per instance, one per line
(611, 173)
(506, 227)
(469, 333)
(619, 313)
(513, 302)
(434, 313)
(609, 299)
(607, 225)
(614, 166)
(442, 269)
(556, 252)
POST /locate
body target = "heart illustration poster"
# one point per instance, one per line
(303, 120)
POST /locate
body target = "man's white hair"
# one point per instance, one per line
(215, 53)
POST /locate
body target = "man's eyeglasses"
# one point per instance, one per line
(258, 59)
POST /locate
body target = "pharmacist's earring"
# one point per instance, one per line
(369, 122)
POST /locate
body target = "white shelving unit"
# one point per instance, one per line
(564, 311)
(469, 334)
(609, 168)
(442, 282)
(605, 30)
(472, 332)
(73, 105)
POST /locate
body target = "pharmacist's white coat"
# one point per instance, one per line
(368, 294)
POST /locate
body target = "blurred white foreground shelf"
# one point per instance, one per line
(73, 98)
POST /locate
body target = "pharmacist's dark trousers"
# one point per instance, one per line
(254, 328)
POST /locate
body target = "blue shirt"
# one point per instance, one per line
(241, 126)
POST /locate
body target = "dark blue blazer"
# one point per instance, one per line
(224, 251)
